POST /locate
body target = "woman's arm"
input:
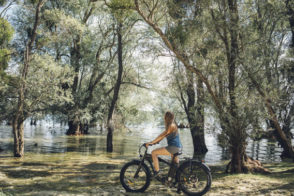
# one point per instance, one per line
(162, 135)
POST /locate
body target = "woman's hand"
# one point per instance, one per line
(148, 144)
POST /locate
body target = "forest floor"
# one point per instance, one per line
(69, 175)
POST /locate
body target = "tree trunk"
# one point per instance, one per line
(237, 159)
(109, 145)
(286, 129)
(240, 162)
(74, 127)
(17, 122)
(110, 130)
(195, 115)
(18, 136)
(238, 153)
(237, 135)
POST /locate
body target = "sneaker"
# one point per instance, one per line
(157, 176)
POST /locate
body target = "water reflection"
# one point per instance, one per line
(51, 138)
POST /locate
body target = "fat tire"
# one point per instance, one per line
(145, 169)
(204, 168)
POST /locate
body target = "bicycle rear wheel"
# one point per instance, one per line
(132, 182)
(194, 178)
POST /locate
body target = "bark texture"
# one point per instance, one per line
(110, 127)
(195, 113)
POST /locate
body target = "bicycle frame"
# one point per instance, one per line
(148, 158)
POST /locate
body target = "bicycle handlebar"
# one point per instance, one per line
(144, 145)
(149, 144)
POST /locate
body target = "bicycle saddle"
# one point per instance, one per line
(177, 153)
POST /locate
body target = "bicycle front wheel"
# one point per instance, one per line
(194, 178)
(135, 178)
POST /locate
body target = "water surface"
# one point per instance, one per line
(47, 139)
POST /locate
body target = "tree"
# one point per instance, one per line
(37, 81)
(180, 34)
(231, 113)
(275, 88)
(83, 41)
(19, 117)
(121, 19)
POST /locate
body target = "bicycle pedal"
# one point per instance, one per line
(158, 178)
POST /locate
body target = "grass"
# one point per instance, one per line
(279, 182)
(71, 174)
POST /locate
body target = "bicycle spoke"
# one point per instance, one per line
(135, 181)
(193, 178)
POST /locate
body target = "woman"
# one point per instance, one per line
(173, 140)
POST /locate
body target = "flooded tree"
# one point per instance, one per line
(179, 34)
(19, 117)
(88, 47)
(37, 77)
(110, 127)
(231, 112)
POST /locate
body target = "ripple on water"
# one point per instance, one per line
(49, 140)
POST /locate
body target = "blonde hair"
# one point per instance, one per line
(169, 118)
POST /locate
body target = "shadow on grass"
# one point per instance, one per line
(71, 183)
(99, 166)
(70, 179)
(278, 170)
(5, 156)
(280, 189)
(34, 164)
(25, 173)
(280, 181)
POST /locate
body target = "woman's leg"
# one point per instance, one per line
(176, 160)
(155, 153)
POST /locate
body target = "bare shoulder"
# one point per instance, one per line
(173, 127)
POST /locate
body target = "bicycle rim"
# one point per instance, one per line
(134, 183)
(194, 179)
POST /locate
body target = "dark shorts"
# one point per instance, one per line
(173, 149)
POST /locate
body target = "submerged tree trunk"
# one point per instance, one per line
(110, 130)
(74, 126)
(110, 127)
(195, 115)
(18, 136)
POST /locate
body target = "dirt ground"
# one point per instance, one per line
(70, 175)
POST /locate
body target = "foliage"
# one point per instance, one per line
(6, 33)
(73, 67)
